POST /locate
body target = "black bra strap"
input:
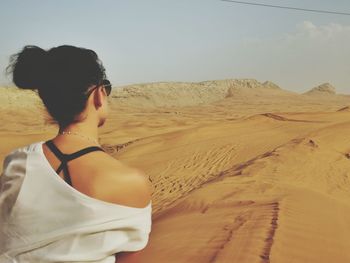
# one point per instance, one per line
(55, 150)
(67, 157)
(82, 152)
(66, 173)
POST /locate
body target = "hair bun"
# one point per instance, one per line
(28, 67)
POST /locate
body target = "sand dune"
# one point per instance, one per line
(242, 171)
(280, 199)
(347, 108)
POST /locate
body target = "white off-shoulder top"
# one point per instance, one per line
(44, 219)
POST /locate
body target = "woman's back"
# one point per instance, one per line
(100, 176)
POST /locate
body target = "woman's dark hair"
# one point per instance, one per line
(62, 76)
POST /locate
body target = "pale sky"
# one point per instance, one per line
(143, 41)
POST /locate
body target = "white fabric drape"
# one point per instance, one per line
(44, 219)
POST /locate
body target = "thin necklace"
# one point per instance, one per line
(83, 136)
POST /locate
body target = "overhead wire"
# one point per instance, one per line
(288, 7)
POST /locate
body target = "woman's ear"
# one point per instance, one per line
(98, 96)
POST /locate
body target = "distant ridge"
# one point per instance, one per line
(193, 93)
(245, 88)
(270, 85)
(323, 89)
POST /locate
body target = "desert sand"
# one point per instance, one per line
(242, 171)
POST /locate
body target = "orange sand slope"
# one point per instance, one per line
(257, 190)
(257, 174)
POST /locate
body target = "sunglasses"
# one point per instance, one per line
(106, 85)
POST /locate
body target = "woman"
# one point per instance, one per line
(66, 199)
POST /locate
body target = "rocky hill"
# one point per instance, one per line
(324, 89)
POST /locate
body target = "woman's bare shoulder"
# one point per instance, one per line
(122, 184)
